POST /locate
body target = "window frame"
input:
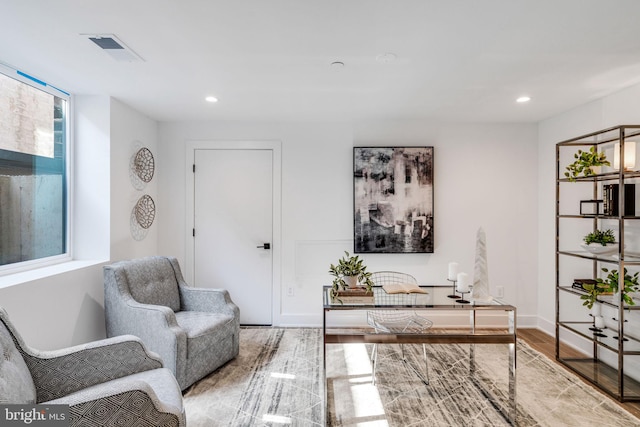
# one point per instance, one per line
(67, 256)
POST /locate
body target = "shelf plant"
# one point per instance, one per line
(603, 237)
(584, 163)
(611, 283)
(349, 266)
(593, 292)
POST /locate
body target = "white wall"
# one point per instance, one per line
(485, 176)
(130, 130)
(63, 305)
(492, 176)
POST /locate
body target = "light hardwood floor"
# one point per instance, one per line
(546, 345)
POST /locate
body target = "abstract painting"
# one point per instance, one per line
(393, 199)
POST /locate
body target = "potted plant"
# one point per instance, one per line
(585, 162)
(599, 236)
(600, 241)
(349, 271)
(611, 284)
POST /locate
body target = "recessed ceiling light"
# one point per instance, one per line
(337, 65)
(523, 99)
(211, 99)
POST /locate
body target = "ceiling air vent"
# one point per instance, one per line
(114, 47)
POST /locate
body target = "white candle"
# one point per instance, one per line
(599, 322)
(463, 282)
(453, 271)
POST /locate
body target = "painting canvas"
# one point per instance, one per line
(393, 199)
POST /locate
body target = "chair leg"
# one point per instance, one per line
(426, 363)
(374, 359)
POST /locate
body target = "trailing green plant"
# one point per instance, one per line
(584, 161)
(349, 265)
(593, 292)
(599, 236)
(612, 280)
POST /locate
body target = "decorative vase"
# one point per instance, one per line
(598, 322)
(596, 309)
(351, 281)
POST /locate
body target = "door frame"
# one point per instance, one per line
(276, 244)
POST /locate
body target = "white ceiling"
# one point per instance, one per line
(269, 60)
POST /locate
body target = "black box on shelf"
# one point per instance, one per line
(591, 207)
(610, 199)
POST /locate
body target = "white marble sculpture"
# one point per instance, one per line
(480, 272)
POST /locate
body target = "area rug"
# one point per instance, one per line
(276, 381)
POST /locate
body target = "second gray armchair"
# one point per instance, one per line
(114, 382)
(194, 330)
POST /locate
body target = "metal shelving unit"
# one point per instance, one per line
(604, 364)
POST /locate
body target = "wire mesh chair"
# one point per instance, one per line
(396, 321)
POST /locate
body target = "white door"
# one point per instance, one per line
(233, 193)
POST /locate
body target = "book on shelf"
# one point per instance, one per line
(611, 203)
(579, 285)
(403, 288)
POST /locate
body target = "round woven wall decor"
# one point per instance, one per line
(145, 211)
(144, 165)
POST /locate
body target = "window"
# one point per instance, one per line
(34, 142)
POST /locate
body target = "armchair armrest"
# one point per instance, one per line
(85, 365)
(208, 300)
(156, 325)
(153, 397)
(140, 317)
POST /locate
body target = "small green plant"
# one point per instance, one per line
(599, 236)
(349, 265)
(593, 291)
(583, 163)
(611, 283)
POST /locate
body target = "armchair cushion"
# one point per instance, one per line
(204, 330)
(16, 384)
(156, 283)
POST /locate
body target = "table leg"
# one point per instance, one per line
(324, 368)
(512, 368)
(472, 347)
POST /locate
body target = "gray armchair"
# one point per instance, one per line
(112, 382)
(194, 330)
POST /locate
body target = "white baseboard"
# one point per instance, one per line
(546, 326)
(298, 321)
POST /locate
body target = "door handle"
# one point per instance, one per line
(265, 246)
